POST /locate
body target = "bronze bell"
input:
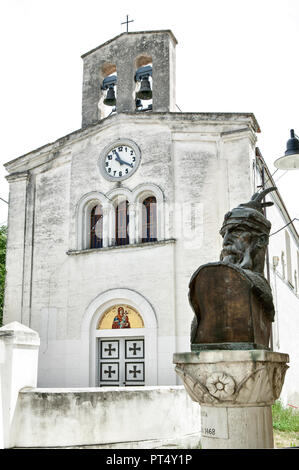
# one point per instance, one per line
(145, 92)
(110, 99)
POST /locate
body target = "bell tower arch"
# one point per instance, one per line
(123, 53)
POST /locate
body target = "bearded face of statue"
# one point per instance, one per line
(243, 247)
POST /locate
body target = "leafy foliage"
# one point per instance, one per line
(285, 419)
(3, 231)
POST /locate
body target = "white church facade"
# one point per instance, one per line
(107, 224)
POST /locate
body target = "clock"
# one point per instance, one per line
(120, 160)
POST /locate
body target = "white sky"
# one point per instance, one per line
(232, 56)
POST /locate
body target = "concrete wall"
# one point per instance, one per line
(147, 417)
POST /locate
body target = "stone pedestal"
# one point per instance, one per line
(235, 390)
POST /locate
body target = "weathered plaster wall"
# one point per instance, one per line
(123, 52)
(15, 247)
(212, 173)
(286, 300)
(148, 417)
(200, 159)
(285, 328)
(135, 417)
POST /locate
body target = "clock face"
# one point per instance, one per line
(120, 161)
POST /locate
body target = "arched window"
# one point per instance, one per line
(96, 227)
(122, 223)
(91, 228)
(149, 219)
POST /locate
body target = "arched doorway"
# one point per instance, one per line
(122, 329)
(121, 359)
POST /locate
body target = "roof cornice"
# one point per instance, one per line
(43, 154)
(161, 31)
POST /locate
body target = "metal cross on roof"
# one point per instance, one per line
(127, 23)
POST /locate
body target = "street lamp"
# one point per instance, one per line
(290, 160)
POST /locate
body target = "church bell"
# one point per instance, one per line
(145, 92)
(142, 75)
(110, 99)
(109, 84)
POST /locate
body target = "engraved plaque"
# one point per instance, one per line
(214, 422)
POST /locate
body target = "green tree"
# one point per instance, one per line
(3, 231)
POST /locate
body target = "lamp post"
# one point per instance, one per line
(290, 160)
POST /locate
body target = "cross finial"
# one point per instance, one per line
(127, 23)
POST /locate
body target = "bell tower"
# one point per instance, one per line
(132, 72)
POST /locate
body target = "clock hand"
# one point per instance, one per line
(122, 162)
(118, 159)
(127, 163)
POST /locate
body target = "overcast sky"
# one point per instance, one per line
(232, 56)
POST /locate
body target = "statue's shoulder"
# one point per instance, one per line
(230, 272)
(200, 268)
(220, 265)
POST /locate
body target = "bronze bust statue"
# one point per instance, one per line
(231, 299)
